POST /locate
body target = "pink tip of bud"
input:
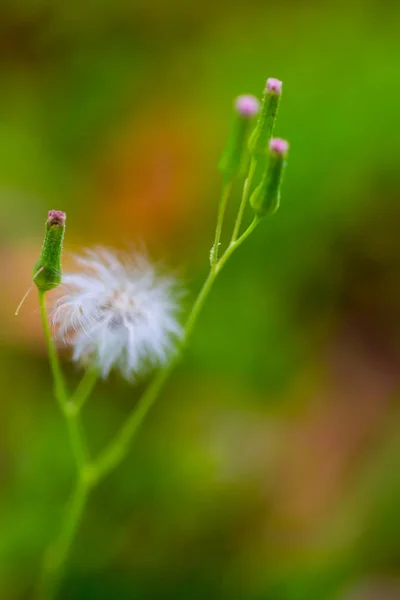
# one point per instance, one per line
(278, 146)
(247, 106)
(56, 217)
(274, 85)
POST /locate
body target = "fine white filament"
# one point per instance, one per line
(118, 311)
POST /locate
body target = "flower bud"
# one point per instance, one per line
(47, 272)
(233, 162)
(265, 198)
(258, 143)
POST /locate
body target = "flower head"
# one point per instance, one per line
(56, 217)
(274, 85)
(118, 312)
(279, 146)
(247, 105)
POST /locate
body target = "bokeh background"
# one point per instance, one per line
(269, 469)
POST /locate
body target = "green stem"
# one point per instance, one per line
(84, 390)
(246, 192)
(71, 416)
(77, 439)
(119, 447)
(235, 244)
(60, 388)
(57, 554)
(226, 190)
(90, 474)
(112, 456)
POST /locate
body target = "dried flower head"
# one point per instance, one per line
(118, 312)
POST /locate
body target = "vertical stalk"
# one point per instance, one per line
(119, 447)
(89, 474)
(58, 378)
(84, 390)
(226, 190)
(245, 197)
(57, 554)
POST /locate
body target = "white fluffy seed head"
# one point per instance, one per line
(119, 312)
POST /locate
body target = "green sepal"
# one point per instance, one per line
(47, 272)
(234, 159)
(265, 199)
(258, 142)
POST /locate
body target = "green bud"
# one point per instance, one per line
(47, 272)
(258, 142)
(233, 160)
(266, 197)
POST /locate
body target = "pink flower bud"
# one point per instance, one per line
(247, 106)
(56, 217)
(274, 86)
(278, 146)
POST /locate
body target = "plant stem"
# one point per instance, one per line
(84, 390)
(226, 190)
(77, 440)
(60, 388)
(235, 244)
(89, 474)
(57, 553)
(245, 197)
(119, 447)
(71, 416)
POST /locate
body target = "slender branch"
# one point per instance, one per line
(119, 447)
(74, 407)
(60, 388)
(234, 245)
(57, 553)
(71, 417)
(226, 190)
(112, 456)
(83, 390)
(89, 474)
(246, 193)
(77, 440)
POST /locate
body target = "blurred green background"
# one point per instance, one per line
(269, 469)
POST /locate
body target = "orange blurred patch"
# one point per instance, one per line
(149, 184)
(15, 272)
